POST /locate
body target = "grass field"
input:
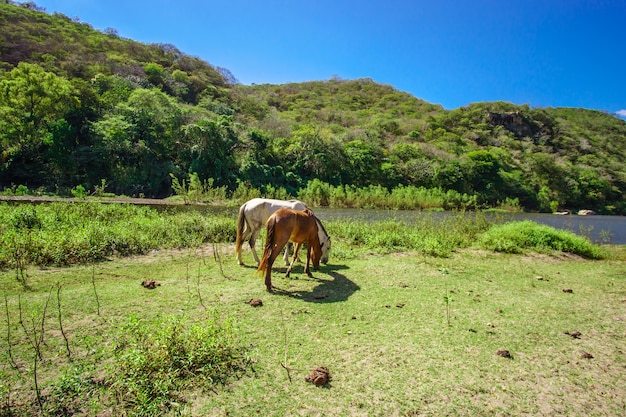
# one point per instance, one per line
(402, 334)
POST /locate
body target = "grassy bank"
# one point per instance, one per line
(497, 320)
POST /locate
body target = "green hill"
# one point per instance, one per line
(83, 107)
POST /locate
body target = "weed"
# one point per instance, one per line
(155, 361)
(79, 192)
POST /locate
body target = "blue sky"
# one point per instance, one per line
(544, 53)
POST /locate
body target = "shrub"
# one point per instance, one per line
(155, 361)
(520, 236)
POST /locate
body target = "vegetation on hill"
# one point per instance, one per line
(80, 107)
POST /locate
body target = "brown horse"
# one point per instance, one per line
(287, 225)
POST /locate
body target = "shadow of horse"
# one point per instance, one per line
(337, 289)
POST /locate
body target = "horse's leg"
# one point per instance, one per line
(253, 237)
(246, 235)
(287, 250)
(276, 250)
(268, 279)
(309, 249)
(295, 255)
(289, 245)
(240, 239)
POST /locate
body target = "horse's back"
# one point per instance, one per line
(298, 224)
(259, 210)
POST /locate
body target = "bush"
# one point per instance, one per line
(521, 236)
(155, 361)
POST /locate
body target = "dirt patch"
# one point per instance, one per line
(551, 258)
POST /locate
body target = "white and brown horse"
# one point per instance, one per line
(253, 215)
(287, 225)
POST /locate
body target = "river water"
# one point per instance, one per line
(599, 229)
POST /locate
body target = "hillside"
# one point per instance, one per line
(115, 112)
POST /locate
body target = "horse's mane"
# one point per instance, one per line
(319, 223)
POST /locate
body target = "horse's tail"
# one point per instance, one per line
(241, 225)
(269, 244)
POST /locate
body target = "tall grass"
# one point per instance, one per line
(142, 370)
(153, 362)
(73, 233)
(427, 234)
(318, 193)
(524, 236)
(69, 233)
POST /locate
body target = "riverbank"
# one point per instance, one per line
(122, 200)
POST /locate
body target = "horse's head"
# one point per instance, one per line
(325, 245)
(324, 241)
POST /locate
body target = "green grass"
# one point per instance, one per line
(378, 322)
(521, 236)
(69, 233)
(409, 320)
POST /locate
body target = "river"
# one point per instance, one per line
(599, 229)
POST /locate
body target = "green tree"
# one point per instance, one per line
(30, 100)
(210, 149)
(484, 176)
(364, 162)
(312, 153)
(138, 142)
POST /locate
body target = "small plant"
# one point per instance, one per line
(22, 190)
(244, 192)
(79, 191)
(71, 392)
(99, 190)
(180, 188)
(25, 218)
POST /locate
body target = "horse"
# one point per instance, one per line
(287, 225)
(253, 215)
